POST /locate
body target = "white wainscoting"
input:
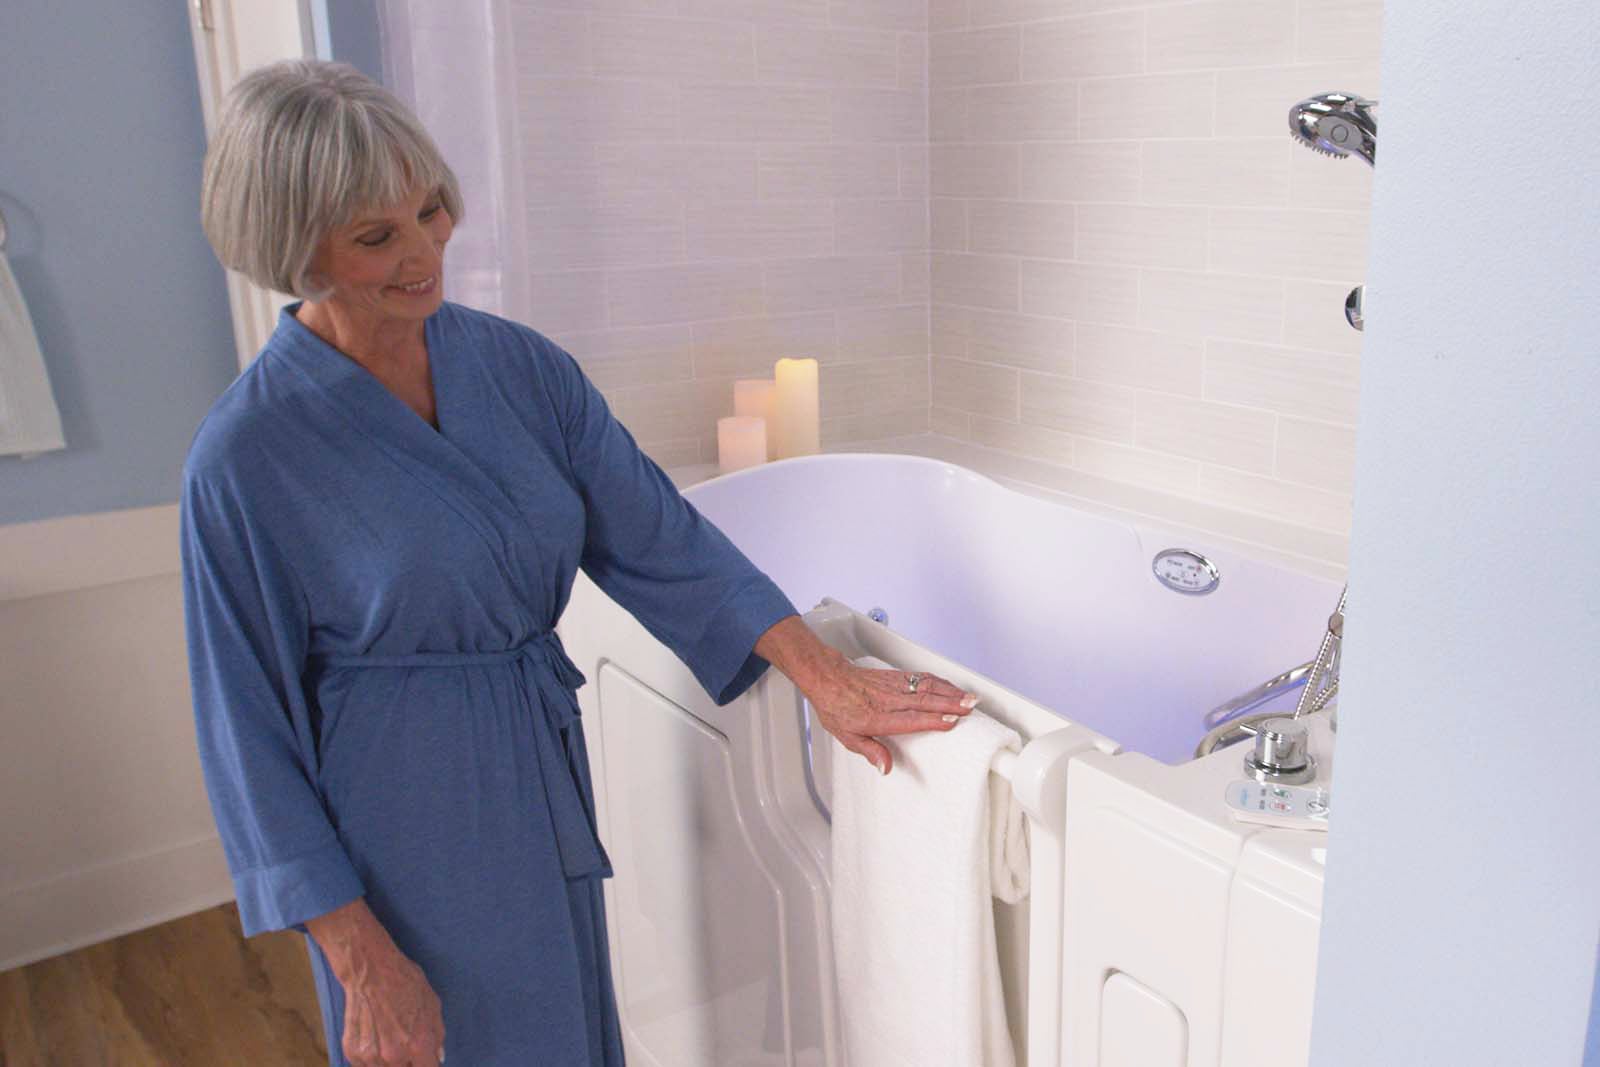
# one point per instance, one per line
(106, 825)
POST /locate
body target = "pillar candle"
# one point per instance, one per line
(757, 396)
(799, 426)
(741, 442)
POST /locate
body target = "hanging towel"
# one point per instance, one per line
(917, 856)
(29, 421)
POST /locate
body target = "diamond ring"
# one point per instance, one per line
(912, 681)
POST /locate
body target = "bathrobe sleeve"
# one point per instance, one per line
(654, 554)
(247, 625)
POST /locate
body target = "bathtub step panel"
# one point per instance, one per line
(1139, 1027)
(697, 917)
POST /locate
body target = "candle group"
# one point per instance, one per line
(774, 418)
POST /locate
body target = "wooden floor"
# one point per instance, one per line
(189, 993)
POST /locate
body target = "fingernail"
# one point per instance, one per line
(952, 718)
(878, 763)
(969, 701)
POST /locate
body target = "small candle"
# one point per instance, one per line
(799, 425)
(741, 442)
(758, 397)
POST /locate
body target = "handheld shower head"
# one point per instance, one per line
(1336, 124)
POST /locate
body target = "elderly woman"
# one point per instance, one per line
(382, 519)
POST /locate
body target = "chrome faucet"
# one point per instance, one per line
(1339, 125)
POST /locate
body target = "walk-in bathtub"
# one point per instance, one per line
(716, 817)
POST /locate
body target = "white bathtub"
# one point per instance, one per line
(1058, 604)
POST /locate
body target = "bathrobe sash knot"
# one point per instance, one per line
(548, 681)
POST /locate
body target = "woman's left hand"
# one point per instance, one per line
(858, 705)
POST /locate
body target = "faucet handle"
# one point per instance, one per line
(1281, 753)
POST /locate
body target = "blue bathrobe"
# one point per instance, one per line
(382, 706)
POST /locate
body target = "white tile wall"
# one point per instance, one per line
(1070, 232)
(1180, 264)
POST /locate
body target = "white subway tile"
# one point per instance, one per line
(807, 172)
(948, 15)
(748, 348)
(1290, 381)
(1325, 245)
(1315, 318)
(1215, 433)
(1072, 405)
(1222, 33)
(1152, 105)
(914, 180)
(805, 56)
(638, 231)
(710, 171)
(916, 277)
(948, 113)
(1339, 29)
(989, 171)
(1166, 237)
(731, 112)
(1042, 111)
(568, 300)
(1296, 504)
(1080, 291)
(553, 43)
(1256, 102)
(760, 12)
(524, 8)
(977, 388)
(908, 15)
(1027, 342)
(1317, 453)
(633, 47)
(1035, 442)
(832, 282)
(883, 333)
(1319, 181)
(679, 452)
(866, 226)
(649, 355)
(975, 57)
(1243, 172)
(683, 293)
(1021, 228)
(837, 433)
(1206, 305)
(758, 229)
(873, 388)
(671, 410)
(914, 61)
(975, 281)
(1136, 466)
(996, 12)
(559, 173)
(560, 110)
(1080, 171)
(880, 115)
(1099, 45)
(949, 221)
(1145, 359)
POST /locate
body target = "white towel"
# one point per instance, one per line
(917, 856)
(29, 421)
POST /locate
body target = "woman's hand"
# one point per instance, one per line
(392, 1016)
(856, 704)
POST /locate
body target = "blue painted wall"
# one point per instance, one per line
(101, 140)
(1591, 1053)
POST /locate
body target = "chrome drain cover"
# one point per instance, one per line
(1185, 572)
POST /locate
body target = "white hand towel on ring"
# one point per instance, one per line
(917, 856)
(29, 421)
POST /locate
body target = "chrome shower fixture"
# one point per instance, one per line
(1337, 124)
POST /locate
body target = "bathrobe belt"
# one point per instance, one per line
(548, 680)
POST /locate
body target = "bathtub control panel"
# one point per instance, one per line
(1290, 807)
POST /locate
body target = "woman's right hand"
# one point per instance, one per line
(392, 1016)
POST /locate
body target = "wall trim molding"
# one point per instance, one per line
(83, 551)
(95, 904)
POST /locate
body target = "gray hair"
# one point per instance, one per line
(302, 148)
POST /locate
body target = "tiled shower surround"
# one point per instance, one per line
(1067, 242)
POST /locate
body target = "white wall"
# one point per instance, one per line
(1463, 894)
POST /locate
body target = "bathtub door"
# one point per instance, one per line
(717, 914)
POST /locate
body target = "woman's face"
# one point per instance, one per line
(386, 264)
